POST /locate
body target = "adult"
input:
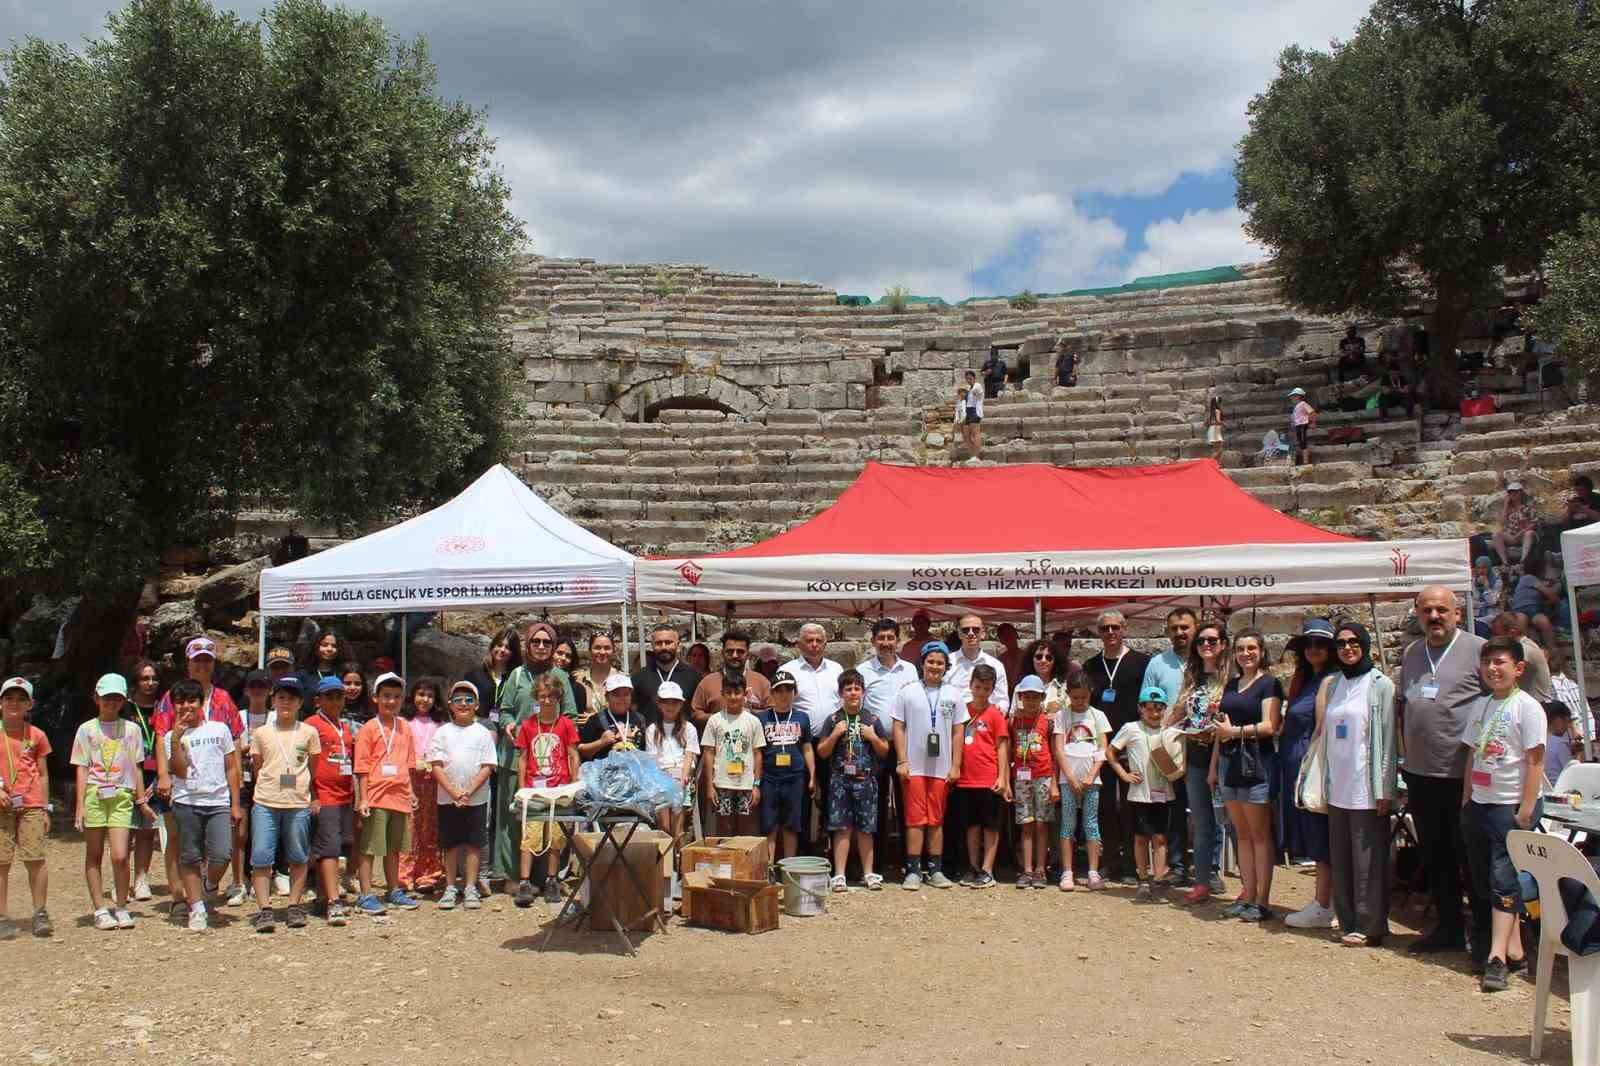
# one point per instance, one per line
(490, 676)
(699, 657)
(141, 707)
(593, 678)
(1066, 367)
(1535, 680)
(1519, 524)
(663, 666)
(517, 704)
(969, 654)
(925, 719)
(1209, 669)
(1352, 355)
(921, 633)
(1165, 672)
(324, 656)
(1565, 689)
(883, 675)
(1116, 677)
(1304, 834)
(765, 658)
(1011, 655)
(817, 694)
(1583, 507)
(1355, 717)
(1251, 714)
(565, 656)
(707, 698)
(1216, 424)
(1439, 690)
(996, 375)
(969, 405)
(1048, 662)
(1488, 593)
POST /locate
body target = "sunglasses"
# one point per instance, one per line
(1348, 642)
(972, 629)
(468, 701)
(1208, 641)
(1110, 629)
(1044, 655)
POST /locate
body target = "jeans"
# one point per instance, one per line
(1206, 811)
(271, 825)
(1484, 828)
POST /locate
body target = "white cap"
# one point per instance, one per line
(618, 679)
(1297, 392)
(200, 646)
(1513, 486)
(17, 682)
(467, 685)
(385, 678)
(669, 690)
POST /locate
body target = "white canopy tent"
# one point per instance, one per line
(497, 544)
(1580, 559)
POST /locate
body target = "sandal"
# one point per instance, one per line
(1354, 940)
(838, 883)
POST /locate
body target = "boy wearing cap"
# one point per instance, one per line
(855, 743)
(1303, 417)
(927, 719)
(283, 756)
(384, 758)
(1033, 775)
(789, 765)
(618, 727)
(730, 746)
(463, 759)
(1148, 790)
(203, 766)
(280, 662)
(108, 753)
(333, 795)
(24, 810)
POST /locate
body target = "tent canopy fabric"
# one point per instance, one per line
(1580, 555)
(1080, 539)
(497, 544)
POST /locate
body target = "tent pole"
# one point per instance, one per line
(261, 641)
(624, 659)
(405, 641)
(642, 644)
(1377, 633)
(1038, 618)
(1577, 664)
(694, 622)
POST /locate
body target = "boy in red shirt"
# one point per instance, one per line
(333, 795)
(547, 757)
(1033, 768)
(24, 810)
(984, 787)
(384, 758)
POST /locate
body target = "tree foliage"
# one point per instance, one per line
(1569, 313)
(238, 261)
(1446, 142)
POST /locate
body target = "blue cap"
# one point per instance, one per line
(932, 646)
(330, 684)
(1153, 694)
(1031, 683)
(289, 683)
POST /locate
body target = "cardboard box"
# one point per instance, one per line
(739, 858)
(732, 904)
(611, 891)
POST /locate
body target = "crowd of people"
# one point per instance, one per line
(372, 796)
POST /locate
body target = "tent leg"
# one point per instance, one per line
(694, 622)
(261, 641)
(1038, 618)
(642, 640)
(1377, 633)
(405, 641)
(1577, 665)
(624, 659)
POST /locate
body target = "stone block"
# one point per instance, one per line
(559, 392)
(828, 396)
(934, 359)
(851, 370)
(855, 396)
(444, 654)
(231, 586)
(961, 342)
(171, 624)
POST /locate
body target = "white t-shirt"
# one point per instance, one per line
(207, 746)
(1500, 734)
(668, 752)
(974, 399)
(462, 750)
(1080, 734)
(1344, 727)
(925, 711)
(1136, 740)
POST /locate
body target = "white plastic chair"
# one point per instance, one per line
(1549, 859)
(1582, 777)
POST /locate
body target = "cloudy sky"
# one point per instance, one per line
(950, 147)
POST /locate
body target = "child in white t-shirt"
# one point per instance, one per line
(1080, 747)
(1149, 791)
(676, 745)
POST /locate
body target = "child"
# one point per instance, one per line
(204, 768)
(108, 753)
(547, 757)
(984, 784)
(617, 728)
(463, 759)
(283, 755)
(333, 795)
(855, 745)
(1080, 748)
(1148, 790)
(1487, 589)
(24, 811)
(1303, 417)
(676, 745)
(730, 744)
(424, 713)
(384, 757)
(1505, 741)
(1033, 773)
(1214, 423)
(969, 401)
(1558, 746)
(789, 766)
(256, 712)
(927, 721)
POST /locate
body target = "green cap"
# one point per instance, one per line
(111, 685)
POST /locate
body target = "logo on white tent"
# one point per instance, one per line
(300, 595)
(690, 572)
(460, 545)
(1399, 559)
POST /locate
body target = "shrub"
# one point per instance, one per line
(1023, 301)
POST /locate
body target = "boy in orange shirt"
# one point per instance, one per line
(24, 813)
(384, 758)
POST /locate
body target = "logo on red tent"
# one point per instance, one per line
(1399, 559)
(460, 545)
(300, 595)
(690, 572)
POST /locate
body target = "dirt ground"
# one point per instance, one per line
(999, 976)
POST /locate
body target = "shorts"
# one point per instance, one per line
(113, 813)
(158, 807)
(925, 801)
(978, 807)
(1250, 794)
(1213, 434)
(732, 801)
(853, 803)
(462, 827)
(1149, 819)
(333, 832)
(272, 826)
(22, 835)
(203, 832)
(971, 418)
(385, 832)
(1484, 827)
(1088, 805)
(781, 800)
(1301, 434)
(1033, 801)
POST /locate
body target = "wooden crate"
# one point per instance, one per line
(730, 903)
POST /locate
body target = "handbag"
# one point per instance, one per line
(1311, 784)
(1245, 766)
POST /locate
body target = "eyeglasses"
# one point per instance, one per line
(1208, 641)
(1348, 642)
(467, 701)
(972, 629)
(541, 642)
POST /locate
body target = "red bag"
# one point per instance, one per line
(1477, 406)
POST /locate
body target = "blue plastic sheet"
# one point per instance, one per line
(627, 780)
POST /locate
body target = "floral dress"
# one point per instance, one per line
(419, 867)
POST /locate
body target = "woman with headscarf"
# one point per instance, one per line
(1355, 715)
(1305, 833)
(517, 704)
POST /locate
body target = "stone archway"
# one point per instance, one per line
(678, 391)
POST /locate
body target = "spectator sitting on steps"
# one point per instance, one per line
(1583, 507)
(1352, 356)
(1519, 523)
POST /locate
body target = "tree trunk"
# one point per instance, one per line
(65, 694)
(1444, 335)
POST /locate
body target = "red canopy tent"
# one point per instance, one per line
(1016, 539)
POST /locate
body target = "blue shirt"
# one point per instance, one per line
(1165, 672)
(787, 734)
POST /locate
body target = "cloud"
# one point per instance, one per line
(1200, 239)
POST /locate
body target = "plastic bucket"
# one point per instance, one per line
(805, 885)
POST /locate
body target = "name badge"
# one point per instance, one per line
(1429, 690)
(850, 769)
(967, 739)
(539, 782)
(389, 769)
(344, 769)
(1482, 778)
(933, 745)
(1108, 695)
(244, 775)
(17, 802)
(494, 716)
(288, 781)
(782, 759)
(109, 792)
(735, 768)
(1024, 774)
(1342, 731)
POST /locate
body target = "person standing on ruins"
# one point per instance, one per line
(969, 414)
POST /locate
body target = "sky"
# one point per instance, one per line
(956, 149)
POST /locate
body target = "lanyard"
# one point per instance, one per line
(1489, 722)
(621, 727)
(105, 764)
(277, 738)
(932, 696)
(780, 729)
(388, 738)
(1433, 665)
(338, 734)
(11, 765)
(852, 735)
(663, 680)
(1111, 674)
(144, 727)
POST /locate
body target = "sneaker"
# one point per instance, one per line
(525, 894)
(1516, 965)
(1312, 916)
(912, 882)
(124, 919)
(141, 889)
(8, 929)
(236, 897)
(103, 919)
(1066, 883)
(1252, 912)
(968, 879)
(1217, 886)
(937, 879)
(337, 913)
(399, 898)
(1040, 880)
(552, 891)
(1144, 893)
(447, 899)
(295, 917)
(1196, 895)
(1128, 881)
(367, 903)
(264, 921)
(41, 924)
(198, 922)
(1096, 882)
(470, 899)
(985, 879)
(1024, 880)
(874, 882)
(837, 884)
(280, 884)
(1495, 977)
(1234, 909)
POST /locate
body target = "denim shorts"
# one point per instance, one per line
(270, 826)
(206, 831)
(1484, 828)
(1253, 794)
